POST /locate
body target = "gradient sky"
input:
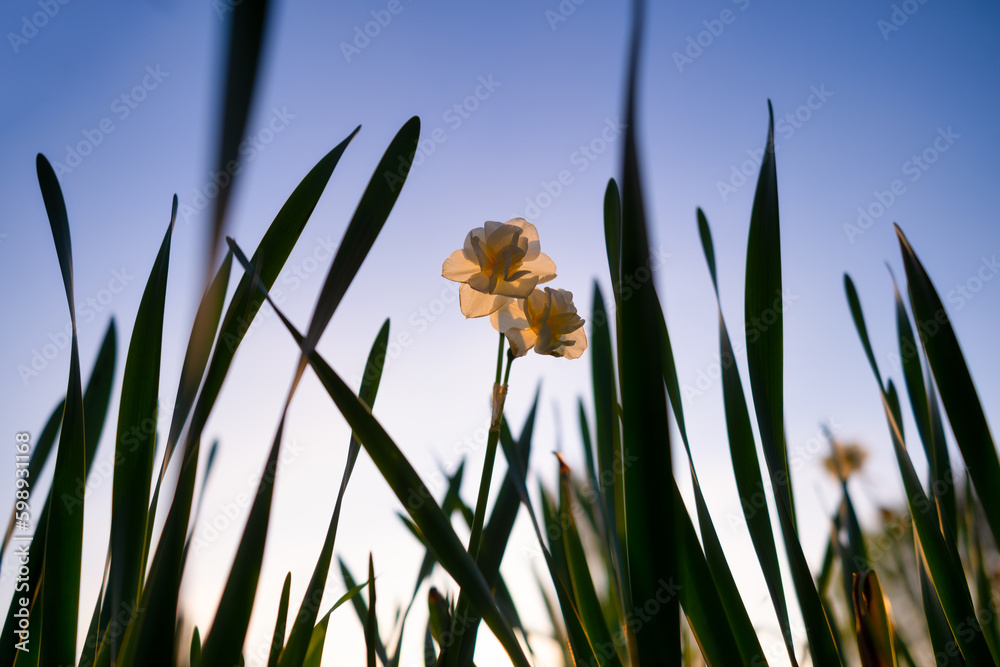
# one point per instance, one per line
(881, 93)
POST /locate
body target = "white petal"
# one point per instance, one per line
(530, 234)
(541, 266)
(467, 249)
(510, 316)
(579, 340)
(521, 340)
(518, 289)
(458, 267)
(477, 304)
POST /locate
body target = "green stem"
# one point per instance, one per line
(499, 394)
(463, 619)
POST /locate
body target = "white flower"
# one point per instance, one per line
(546, 321)
(500, 262)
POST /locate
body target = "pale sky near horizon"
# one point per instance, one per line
(885, 112)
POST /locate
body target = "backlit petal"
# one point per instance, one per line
(467, 249)
(510, 316)
(458, 267)
(541, 266)
(477, 304)
(530, 234)
(576, 343)
(521, 340)
(519, 289)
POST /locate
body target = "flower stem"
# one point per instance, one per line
(499, 394)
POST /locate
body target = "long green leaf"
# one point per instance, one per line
(278, 637)
(371, 623)
(743, 452)
(246, 40)
(743, 634)
(64, 530)
(582, 584)
(954, 382)
(96, 398)
(946, 575)
(763, 319)
(497, 532)
(650, 523)
(297, 646)
(135, 442)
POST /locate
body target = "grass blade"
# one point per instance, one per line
(278, 637)
(298, 641)
(404, 481)
(371, 622)
(96, 398)
(763, 319)
(946, 575)
(64, 529)
(246, 39)
(743, 452)
(954, 382)
(135, 443)
(650, 528)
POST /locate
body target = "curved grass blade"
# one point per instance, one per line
(743, 452)
(763, 319)
(64, 530)
(954, 382)
(134, 447)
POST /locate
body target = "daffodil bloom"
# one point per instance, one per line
(545, 321)
(500, 262)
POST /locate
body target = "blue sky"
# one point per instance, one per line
(875, 115)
